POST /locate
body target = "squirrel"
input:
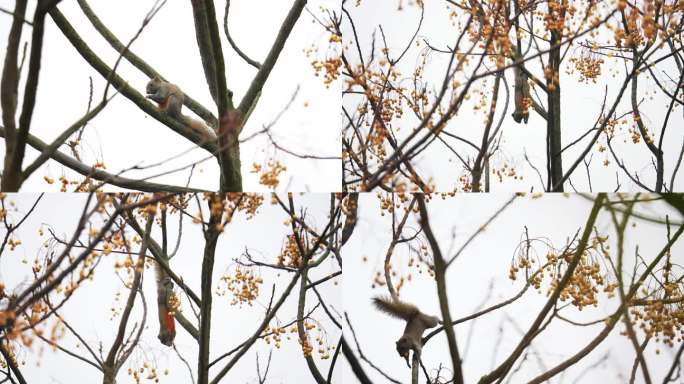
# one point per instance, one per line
(416, 323)
(167, 325)
(523, 100)
(170, 98)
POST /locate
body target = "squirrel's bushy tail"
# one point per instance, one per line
(396, 308)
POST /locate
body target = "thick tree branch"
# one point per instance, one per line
(106, 177)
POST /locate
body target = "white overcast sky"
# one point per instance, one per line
(487, 260)
(125, 136)
(89, 309)
(581, 105)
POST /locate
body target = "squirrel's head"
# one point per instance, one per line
(403, 347)
(153, 85)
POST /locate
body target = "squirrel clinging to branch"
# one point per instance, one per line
(170, 98)
(523, 100)
(416, 323)
(165, 295)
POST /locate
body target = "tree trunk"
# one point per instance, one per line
(553, 123)
(109, 376)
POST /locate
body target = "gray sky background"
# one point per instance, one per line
(487, 261)
(89, 309)
(581, 105)
(125, 136)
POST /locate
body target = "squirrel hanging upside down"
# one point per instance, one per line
(522, 98)
(167, 325)
(416, 323)
(170, 99)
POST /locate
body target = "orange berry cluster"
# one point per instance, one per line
(244, 286)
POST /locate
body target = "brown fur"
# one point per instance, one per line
(522, 96)
(169, 98)
(167, 326)
(416, 323)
